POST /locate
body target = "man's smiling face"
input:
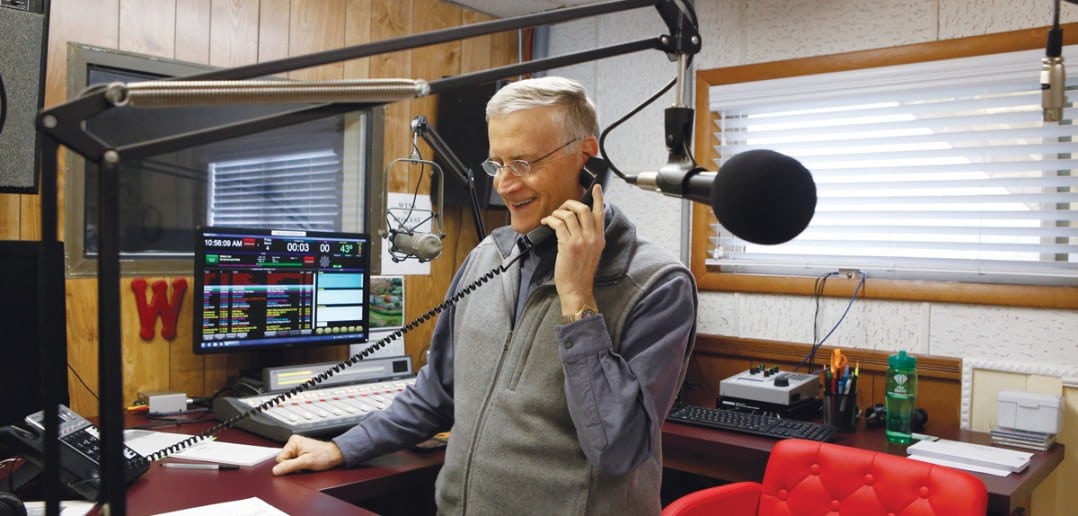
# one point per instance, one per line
(528, 135)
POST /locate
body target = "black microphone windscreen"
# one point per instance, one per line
(764, 197)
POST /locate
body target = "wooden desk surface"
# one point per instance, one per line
(728, 456)
(734, 457)
(335, 492)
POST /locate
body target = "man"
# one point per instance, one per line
(555, 376)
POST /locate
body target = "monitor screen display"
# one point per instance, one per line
(259, 289)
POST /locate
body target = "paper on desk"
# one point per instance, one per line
(999, 472)
(253, 506)
(146, 442)
(67, 508)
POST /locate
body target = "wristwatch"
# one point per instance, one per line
(584, 312)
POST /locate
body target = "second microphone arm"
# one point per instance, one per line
(461, 173)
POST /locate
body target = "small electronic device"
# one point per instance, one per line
(770, 386)
(79, 451)
(262, 289)
(163, 402)
(1028, 411)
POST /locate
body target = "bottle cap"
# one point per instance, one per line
(902, 361)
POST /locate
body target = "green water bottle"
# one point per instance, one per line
(901, 396)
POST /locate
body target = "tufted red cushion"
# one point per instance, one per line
(809, 477)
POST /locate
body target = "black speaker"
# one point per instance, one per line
(462, 125)
(21, 298)
(24, 39)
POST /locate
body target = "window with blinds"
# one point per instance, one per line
(301, 191)
(935, 170)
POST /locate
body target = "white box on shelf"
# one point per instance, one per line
(1029, 411)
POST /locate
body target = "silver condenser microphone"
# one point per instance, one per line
(1053, 88)
(424, 246)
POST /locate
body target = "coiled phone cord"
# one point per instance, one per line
(327, 374)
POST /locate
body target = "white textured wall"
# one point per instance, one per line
(749, 31)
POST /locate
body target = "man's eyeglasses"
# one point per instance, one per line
(520, 167)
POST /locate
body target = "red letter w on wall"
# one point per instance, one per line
(158, 306)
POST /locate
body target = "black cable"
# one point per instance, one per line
(647, 102)
(396, 255)
(187, 416)
(3, 104)
(415, 193)
(820, 282)
(630, 114)
(83, 382)
(1054, 45)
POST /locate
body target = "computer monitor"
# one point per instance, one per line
(276, 289)
(21, 298)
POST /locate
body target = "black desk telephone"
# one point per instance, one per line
(79, 451)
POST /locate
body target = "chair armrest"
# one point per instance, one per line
(739, 498)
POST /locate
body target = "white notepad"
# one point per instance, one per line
(972, 454)
(228, 453)
(999, 472)
(146, 442)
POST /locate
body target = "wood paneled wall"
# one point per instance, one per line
(227, 33)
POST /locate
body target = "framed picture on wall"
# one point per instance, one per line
(387, 302)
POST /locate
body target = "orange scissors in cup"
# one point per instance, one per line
(838, 363)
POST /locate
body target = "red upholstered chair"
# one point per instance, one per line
(810, 477)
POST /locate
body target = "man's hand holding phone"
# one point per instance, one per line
(581, 239)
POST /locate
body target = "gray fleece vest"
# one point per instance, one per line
(514, 448)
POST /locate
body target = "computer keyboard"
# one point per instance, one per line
(324, 412)
(750, 423)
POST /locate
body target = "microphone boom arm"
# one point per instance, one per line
(456, 167)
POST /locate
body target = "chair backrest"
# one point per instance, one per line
(810, 477)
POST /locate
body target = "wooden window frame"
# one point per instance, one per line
(710, 278)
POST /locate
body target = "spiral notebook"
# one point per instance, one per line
(146, 442)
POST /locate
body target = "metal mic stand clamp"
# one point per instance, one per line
(405, 226)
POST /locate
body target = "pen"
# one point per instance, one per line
(195, 465)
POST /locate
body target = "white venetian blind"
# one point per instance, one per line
(293, 191)
(936, 170)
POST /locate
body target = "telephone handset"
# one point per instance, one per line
(80, 451)
(594, 169)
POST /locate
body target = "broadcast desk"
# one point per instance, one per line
(402, 482)
(398, 483)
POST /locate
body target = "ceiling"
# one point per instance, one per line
(507, 8)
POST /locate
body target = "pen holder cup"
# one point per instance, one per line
(840, 411)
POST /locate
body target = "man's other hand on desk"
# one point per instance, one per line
(303, 453)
